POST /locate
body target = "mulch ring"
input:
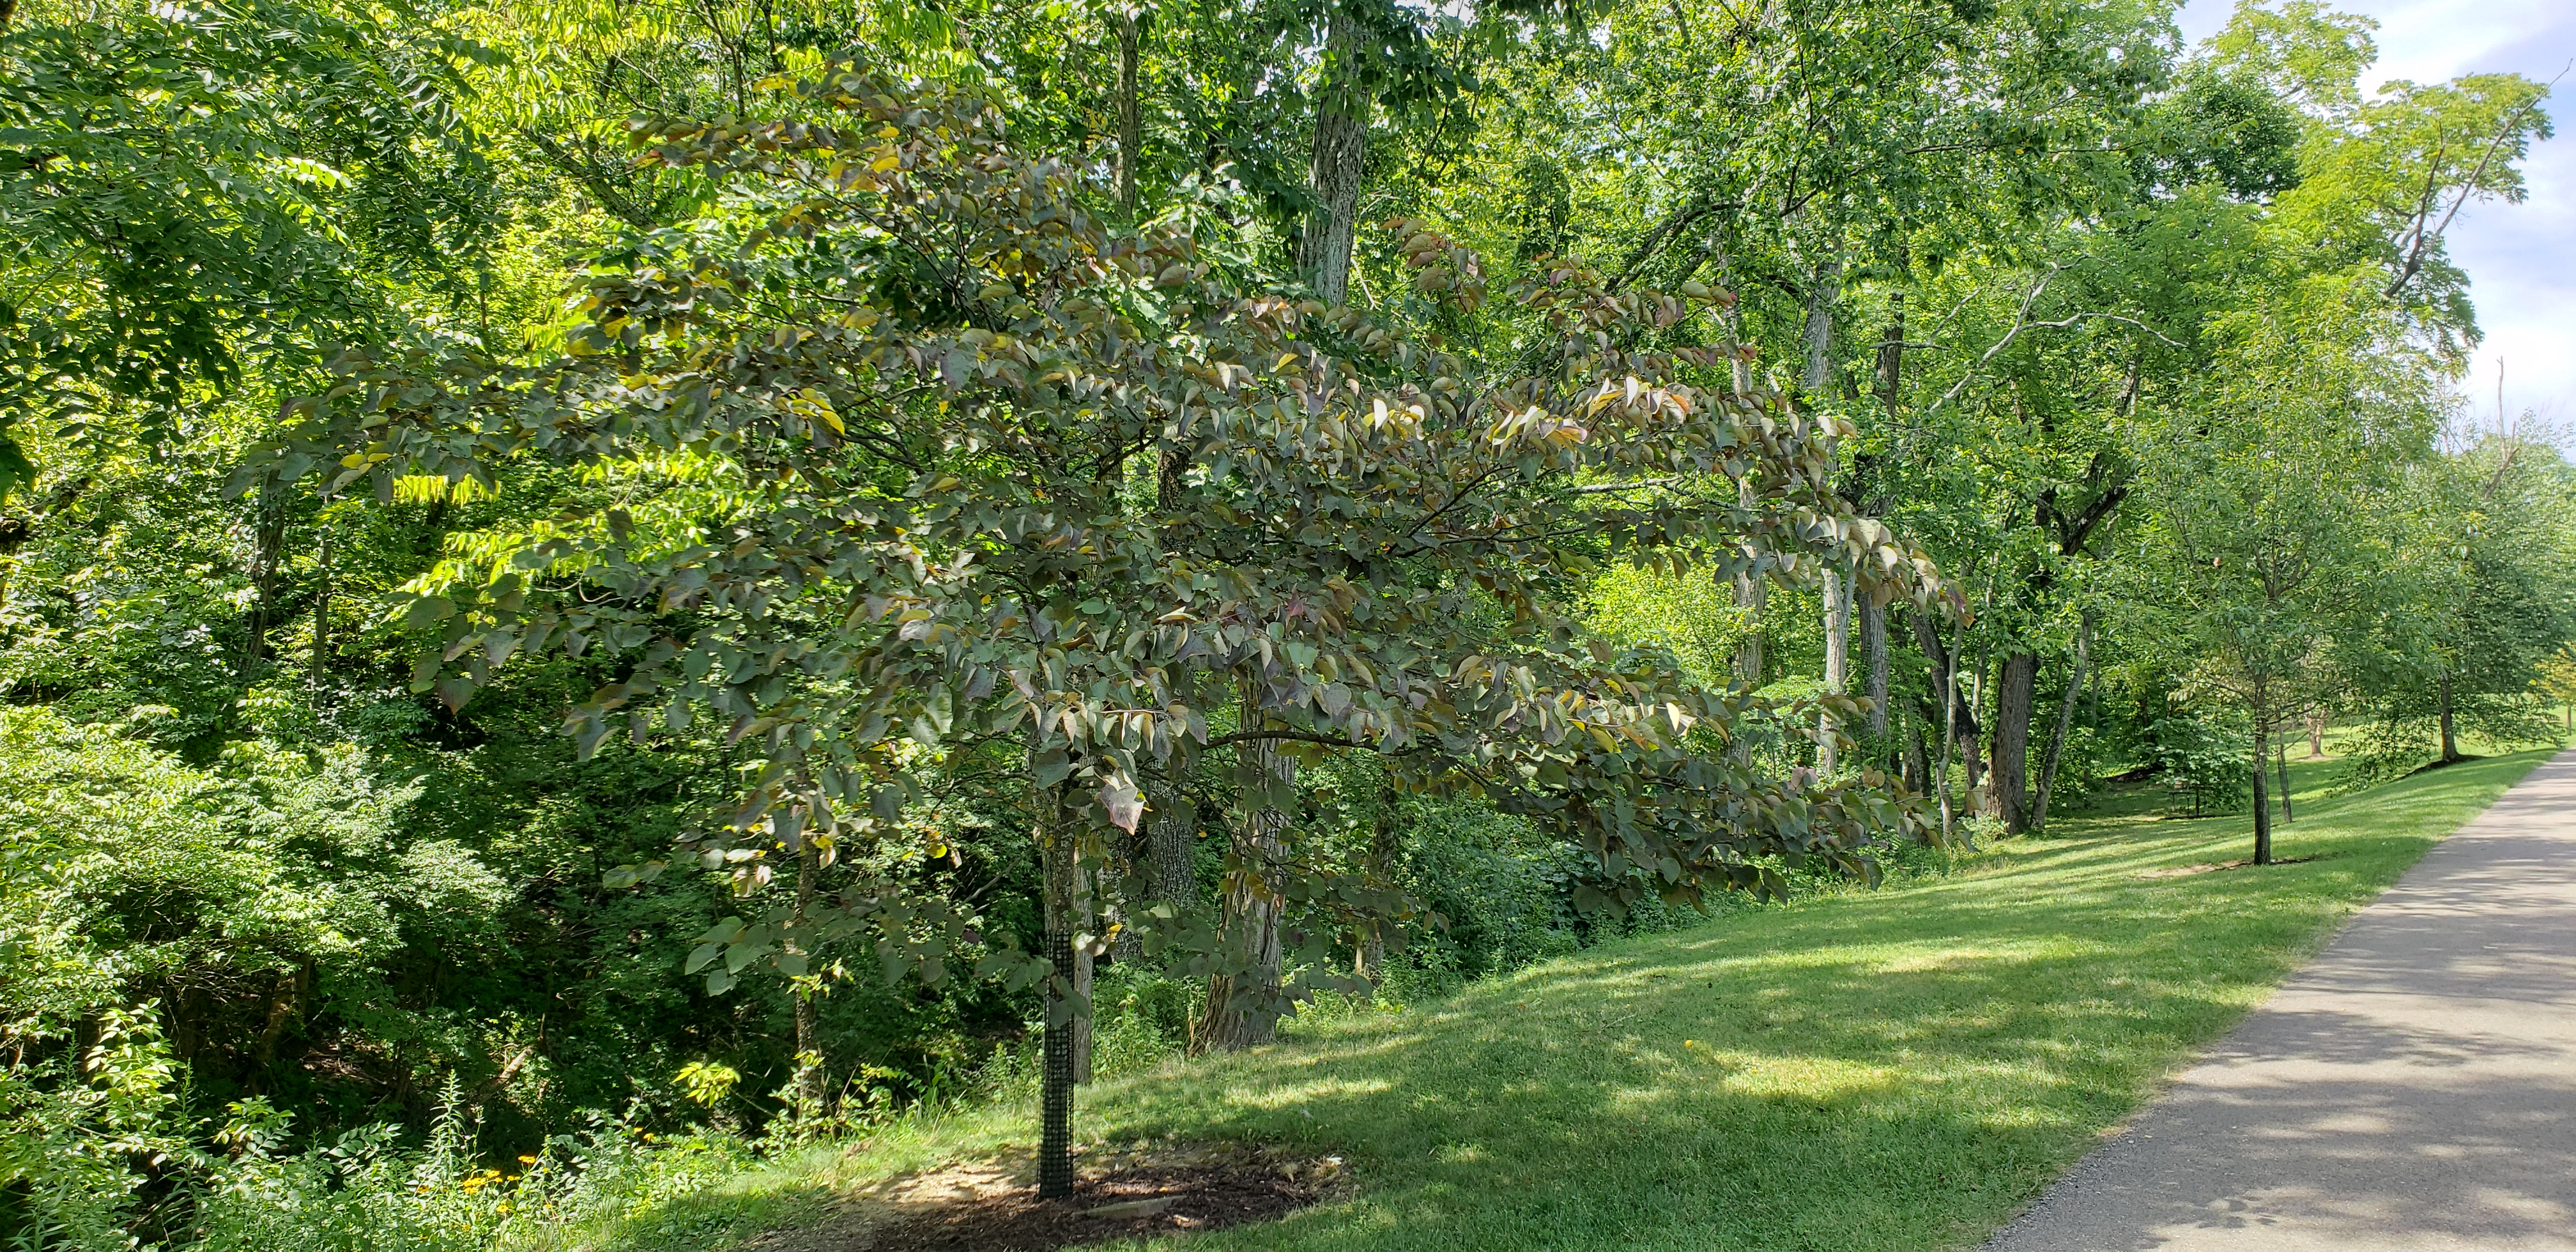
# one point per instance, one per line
(995, 1207)
(2180, 871)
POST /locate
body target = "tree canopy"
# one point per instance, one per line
(556, 557)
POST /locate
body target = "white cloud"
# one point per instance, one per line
(2521, 258)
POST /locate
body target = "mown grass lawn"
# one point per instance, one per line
(1898, 1069)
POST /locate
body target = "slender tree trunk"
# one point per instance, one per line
(2015, 695)
(321, 665)
(1739, 371)
(809, 1030)
(1131, 125)
(1171, 827)
(1064, 1003)
(1958, 715)
(1891, 355)
(1891, 375)
(1873, 639)
(1837, 591)
(283, 1006)
(2316, 736)
(1341, 152)
(1169, 840)
(268, 538)
(2281, 759)
(1753, 595)
(1822, 289)
(2450, 744)
(1927, 640)
(1918, 757)
(1974, 746)
(2065, 724)
(1243, 1005)
(1949, 678)
(2262, 802)
(1370, 962)
(1084, 952)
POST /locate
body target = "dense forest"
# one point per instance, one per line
(711, 572)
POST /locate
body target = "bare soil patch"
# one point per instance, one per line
(994, 1206)
(2180, 871)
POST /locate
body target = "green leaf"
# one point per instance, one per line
(456, 691)
(428, 611)
(1051, 767)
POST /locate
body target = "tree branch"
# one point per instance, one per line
(1301, 736)
(610, 198)
(2415, 256)
(2021, 323)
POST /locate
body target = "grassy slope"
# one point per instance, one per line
(1898, 1069)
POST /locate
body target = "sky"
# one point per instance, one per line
(2521, 258)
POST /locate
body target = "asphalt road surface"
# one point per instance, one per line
(2413, 1088)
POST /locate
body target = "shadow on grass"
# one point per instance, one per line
(1886, 1070)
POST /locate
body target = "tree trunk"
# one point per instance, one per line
(1243, 1004)
(1084, 951)
(285, 1004)
(2450, 744)
(2065, 724)
(1063, 1002)
(1949, 680)
(1837, 591)
(321, 665)
(1891, 355)
(2316, 736)
(1873, 619)
(1739, 371)
(1341, 151)
(2262, 802)
(2015, 693)
(1753, 595)
(1819, 335)
(1974, 746)
(2281, 758)
(268, 538)
(1131, 126)
(1958, 715)
(1172, 821)
(1918, 757)
(1873, 639)
(1822, 288)
(809, 1032)
(1168, 837)
(1370, 962)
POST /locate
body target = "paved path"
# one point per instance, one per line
(2414, 1088)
